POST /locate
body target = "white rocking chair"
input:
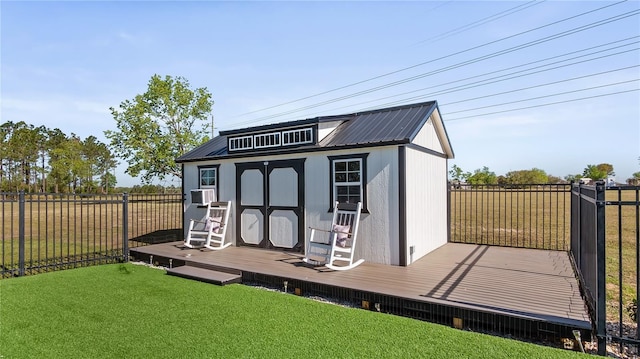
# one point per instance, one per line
(342, 239)
(211, 232)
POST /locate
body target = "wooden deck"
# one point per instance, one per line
(532, 290)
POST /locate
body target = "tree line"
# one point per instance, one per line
(484, 176)
(152, 130)
(40, 159)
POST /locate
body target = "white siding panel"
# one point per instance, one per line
(378, 233)
(426, 203)
(226, 192)
(191, 181)
(325, 128)
(428, 137)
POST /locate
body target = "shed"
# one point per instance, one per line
(284, 178)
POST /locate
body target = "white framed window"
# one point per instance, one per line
(241, 143)
(348, 179)
(208, 177)
(298, 136)
(266, 140)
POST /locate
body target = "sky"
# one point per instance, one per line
(520, 84)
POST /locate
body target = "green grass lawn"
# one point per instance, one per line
(126, 310)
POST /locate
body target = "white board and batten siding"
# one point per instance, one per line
(426, 194)
(385, 228)
(426, 203)
(226, 192)
(378, 231)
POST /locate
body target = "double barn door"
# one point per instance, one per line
(270, 203)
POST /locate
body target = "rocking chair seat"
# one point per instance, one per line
(342, 240)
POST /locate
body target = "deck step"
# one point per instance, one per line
(205, 275)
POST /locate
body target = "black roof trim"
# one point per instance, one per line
(388, 126)
(284, 125)
(399, 107)
(303, 149)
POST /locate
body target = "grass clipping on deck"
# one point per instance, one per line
(125, 311)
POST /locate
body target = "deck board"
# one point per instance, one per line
(525, 283)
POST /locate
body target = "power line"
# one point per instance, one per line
(461, 64)
(377, 100)
(500, 79)
(540, 85)
(542, 105)
(482, 21)
(430, 61)
(545, 96)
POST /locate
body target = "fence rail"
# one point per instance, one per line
(529, 216)
(605, 243)
(45, 232)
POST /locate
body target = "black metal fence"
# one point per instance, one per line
(527, 216)
(47, 232)
(605, 242)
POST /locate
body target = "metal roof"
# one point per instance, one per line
(394, 125)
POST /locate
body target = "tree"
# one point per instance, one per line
(607, 168)
(56, 179)
(66, 165)
(532, 176)
(456, 173)
(593, 172)
(155, 128)
(554, 180)
(635, 177)
(482, 177)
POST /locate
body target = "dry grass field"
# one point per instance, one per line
(529, 218)
(621, 234)
(541, 218)
(83, 228)
(90, 227)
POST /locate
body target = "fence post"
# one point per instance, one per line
(601, 315)
(576, 223)
(448, 212)
(21, 239)
(125, 227)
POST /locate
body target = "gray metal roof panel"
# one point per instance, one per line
(214, 147)
(388, 125)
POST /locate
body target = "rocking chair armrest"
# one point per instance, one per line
(212, 220)
(328, 231)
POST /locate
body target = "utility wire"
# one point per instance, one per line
(545, 96)
(498, 79)
(461, 64)
(542, 105)
(482, 21)
(522, 89)
(540, 85)
(430, 61)
(377, 100)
